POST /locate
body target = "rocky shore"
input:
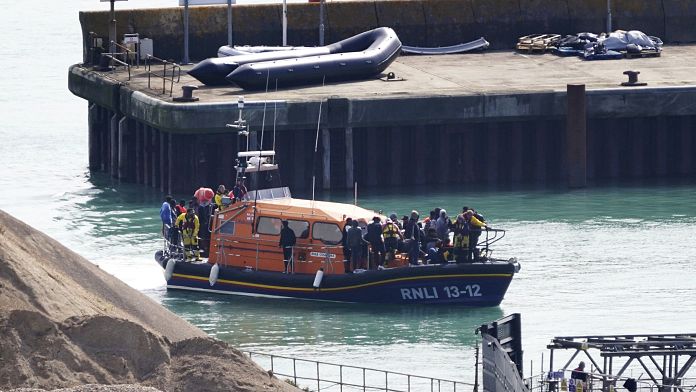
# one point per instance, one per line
(66, 325)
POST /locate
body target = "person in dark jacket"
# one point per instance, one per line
(346, 248)
(355, 241)
(374, 237)
(287, 242)
(205, 211)
(412, 233)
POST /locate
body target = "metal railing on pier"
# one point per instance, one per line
(123, 58)
(167, 66)
(325, 376)
(560, 381)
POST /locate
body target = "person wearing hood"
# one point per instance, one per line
(166, 216)
(189, 225)
(442, 226)
(392, 236)
(219, 194)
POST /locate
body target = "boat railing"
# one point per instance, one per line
(326, 376)
(491, 237)
(173, 77)
(560, 381)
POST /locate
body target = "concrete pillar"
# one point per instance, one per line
(349, 158)
(113, 144)
(122, 149)
(93, 126)
(576, 136)
(326, 158)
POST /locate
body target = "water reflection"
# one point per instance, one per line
(276, 322)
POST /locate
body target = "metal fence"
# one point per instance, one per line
(171, 72)
(324, 376)
(560, 381)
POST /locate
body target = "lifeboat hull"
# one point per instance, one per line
(475, 285)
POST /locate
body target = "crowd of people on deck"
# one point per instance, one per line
(437, 239)
(190, 224)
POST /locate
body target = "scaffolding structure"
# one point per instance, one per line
(665, 358)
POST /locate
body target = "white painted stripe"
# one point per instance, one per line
(171, 286)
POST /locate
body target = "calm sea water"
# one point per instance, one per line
(611, 259)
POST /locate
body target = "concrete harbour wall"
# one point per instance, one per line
(417, 22)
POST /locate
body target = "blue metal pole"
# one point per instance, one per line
(186, 32)
(229, 22)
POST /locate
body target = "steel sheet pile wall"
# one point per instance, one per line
(476, 154)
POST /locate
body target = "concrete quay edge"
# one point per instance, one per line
(378, 111)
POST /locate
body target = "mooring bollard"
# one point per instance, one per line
(633, 79)
(187, 94)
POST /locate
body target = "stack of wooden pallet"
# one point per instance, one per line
(537, 43)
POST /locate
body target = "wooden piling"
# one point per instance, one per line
(576, 136)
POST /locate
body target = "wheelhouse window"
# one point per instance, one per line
(301, 228)
(328, 233)
(272, 226)
(227, 227)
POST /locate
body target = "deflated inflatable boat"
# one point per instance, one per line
(362, 56)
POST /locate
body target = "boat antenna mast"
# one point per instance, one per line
(242, 130)
(316, 149)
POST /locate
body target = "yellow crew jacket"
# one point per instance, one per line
(390, 230)
(218, 199)
(185, 225)
(475, 222)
